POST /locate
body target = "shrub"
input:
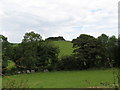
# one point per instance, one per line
(67, 63)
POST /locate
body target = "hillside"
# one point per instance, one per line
(65, 47)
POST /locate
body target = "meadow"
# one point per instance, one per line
(63, 79)
(65, 47)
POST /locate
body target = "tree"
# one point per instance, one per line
(36, 53)
(31, 37)
(59, 38)
(103, 39)
(29, 50)
(111, 49)
(47, 56)
(6, 52)
(18, 55)
(86, 50)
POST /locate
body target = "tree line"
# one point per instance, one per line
(34, 53)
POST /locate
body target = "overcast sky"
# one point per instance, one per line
(67, 18)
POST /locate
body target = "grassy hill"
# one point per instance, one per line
(65, 47)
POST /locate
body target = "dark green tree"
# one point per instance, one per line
(86, 50)
(111, 49)
(47, 56)
(103, 39)
(32, 37)
(6, 51)
(28, 49)
(108, 50)
(34, 53)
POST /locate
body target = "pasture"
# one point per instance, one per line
(62, 79)
(65, 47)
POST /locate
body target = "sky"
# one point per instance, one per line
(52, 18)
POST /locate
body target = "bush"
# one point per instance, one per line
(10, 69)
(67, 63)
(59, 38)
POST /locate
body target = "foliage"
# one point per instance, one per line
(33, 53)
(118, 62)
(118, 53)
(109, 50)
(87, 51)
(6, 52)
(31, 37)
(59, 38)
(47, 56)
(36, 53)
(68, 63)
(96, 52)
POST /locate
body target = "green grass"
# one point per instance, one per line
(65, 79)
(0, 83)
(65, 47)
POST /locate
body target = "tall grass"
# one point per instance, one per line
(118, 76)
(13, 83)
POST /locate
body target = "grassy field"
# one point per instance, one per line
(61, 79)
(65, 47)
(64, 79)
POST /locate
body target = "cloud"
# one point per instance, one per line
(68, 18)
